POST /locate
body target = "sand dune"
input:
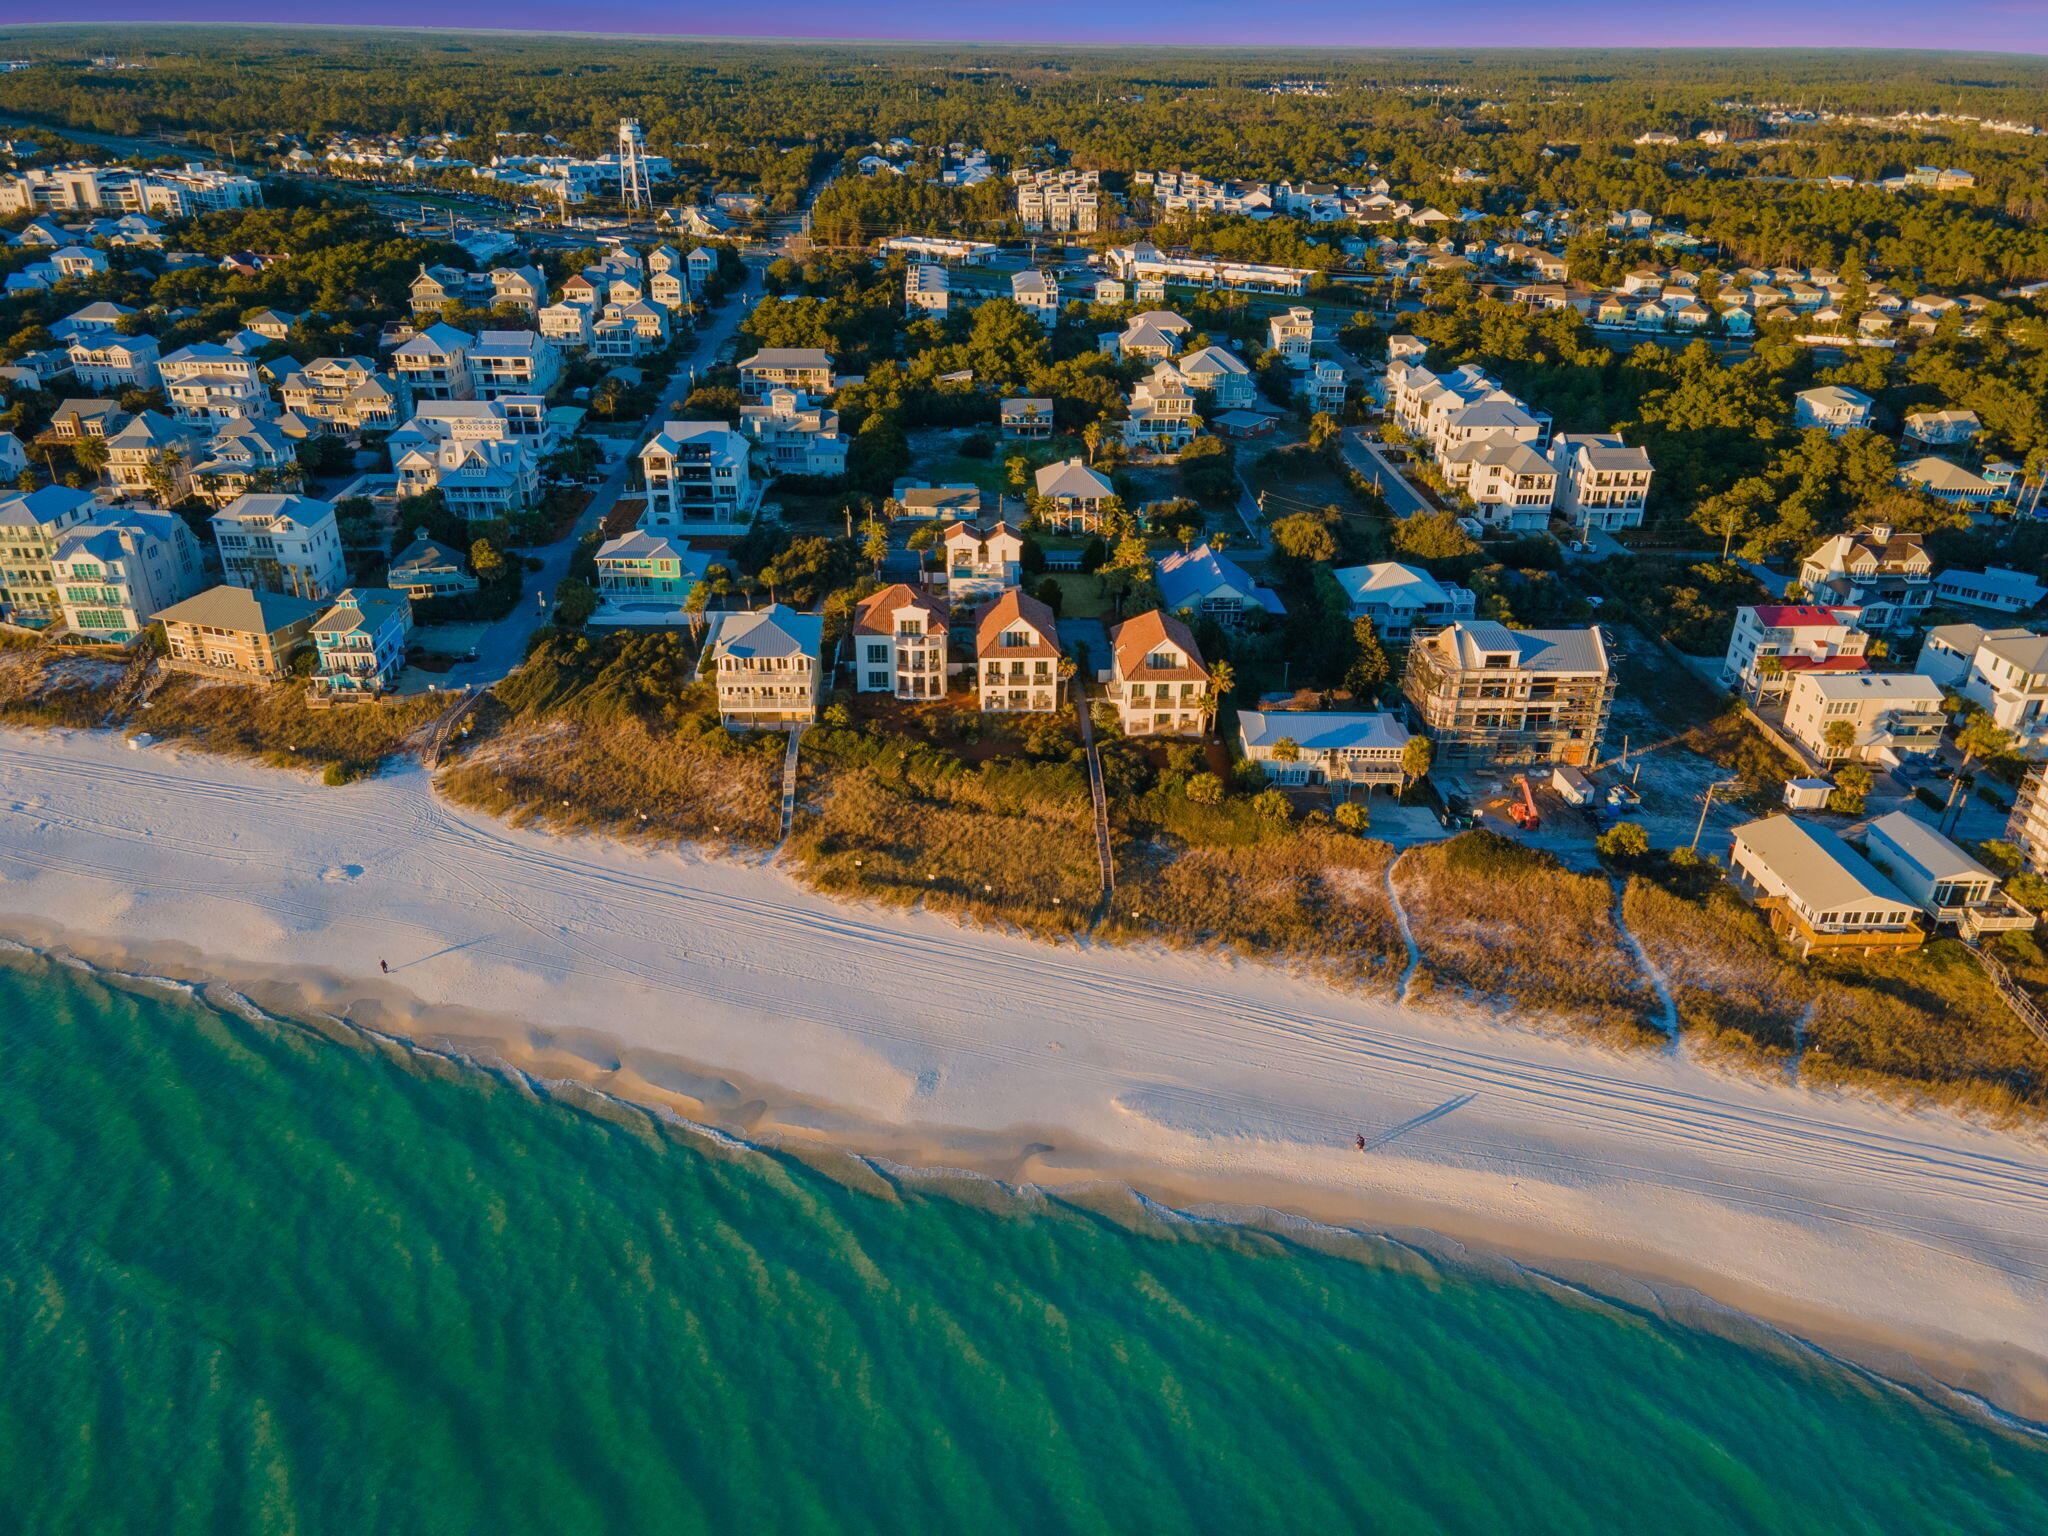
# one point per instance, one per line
(728, 989)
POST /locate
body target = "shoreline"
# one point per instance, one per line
(1913, 1244)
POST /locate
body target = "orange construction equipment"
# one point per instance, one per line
(1524, 815)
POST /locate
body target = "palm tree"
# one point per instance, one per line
(1221, 680)
(1978, 735)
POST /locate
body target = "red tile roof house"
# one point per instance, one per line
(1772, 642)
(899, 645)
(1017, 655)
(1157, 679)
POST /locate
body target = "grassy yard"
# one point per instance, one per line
(1507, 925)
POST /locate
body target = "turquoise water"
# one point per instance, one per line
(254, 1279)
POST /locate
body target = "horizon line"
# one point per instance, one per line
(814, 40)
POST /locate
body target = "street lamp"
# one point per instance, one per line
(1707, 805)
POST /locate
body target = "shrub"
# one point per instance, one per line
(1205, 789)
(1272, 804)
(1352, 816)
(1623, 840)
(342, 772)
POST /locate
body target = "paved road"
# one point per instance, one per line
(503, 645)
(1363, 455)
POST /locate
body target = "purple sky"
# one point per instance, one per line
(2019, 26)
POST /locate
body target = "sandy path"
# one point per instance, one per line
(904, 1034)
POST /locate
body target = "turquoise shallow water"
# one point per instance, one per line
(254, 1279)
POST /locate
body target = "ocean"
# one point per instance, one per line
(261, 1276)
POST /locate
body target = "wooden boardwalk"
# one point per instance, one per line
(2028, 1011)
(796, 738)
(1100, 796)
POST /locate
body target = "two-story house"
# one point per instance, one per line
(235, 634)
(1016, 655)
(899, 644)
(807, 370)
(646, 577)
(1832, 408)
(1205, 583)
(1071, 496)
(1026, 417)
(273, 543)
(1157, 679)
(768, 667)
(1403, 600)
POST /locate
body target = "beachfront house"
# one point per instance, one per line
(646, 578)
(1345, 749)
(32, 526)
(899, 642)
(114, 571)
(1157, 680)
(1947, 884)
(360, 643)
(1817, 891)
(237, 635)
(1017, 655)
(769, 668)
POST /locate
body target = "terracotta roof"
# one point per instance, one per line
(876, 614)
(1012, 607)
(1135, 639)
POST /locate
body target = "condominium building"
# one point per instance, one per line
(1487, 694)
(272, 543)
(172, 194)
(926, 287)
(769, 668)
(899, 644)
(1059, 200)
(697, 473)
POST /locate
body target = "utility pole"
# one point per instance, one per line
(1707, 805)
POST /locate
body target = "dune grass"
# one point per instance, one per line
(1311, 895)
(45, 686)
(622, 775)
(1737, 989)
(273, 725)
(1005, 842)
(1509, 926)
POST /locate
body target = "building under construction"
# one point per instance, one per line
(1488, 695)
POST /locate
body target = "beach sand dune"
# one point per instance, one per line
(732, 993)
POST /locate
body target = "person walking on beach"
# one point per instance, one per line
(1361, 1141)
(385, 967)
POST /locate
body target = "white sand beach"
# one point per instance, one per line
(730, 992)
